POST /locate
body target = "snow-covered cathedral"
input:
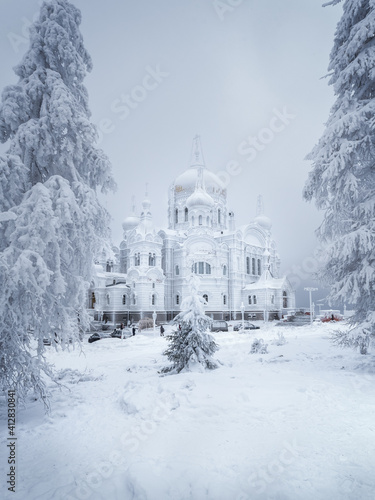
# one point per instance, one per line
(238, 266)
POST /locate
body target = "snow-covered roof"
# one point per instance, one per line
(188, 180)
(267, 282)
(199, 198)
(263, 221)
(130, 222)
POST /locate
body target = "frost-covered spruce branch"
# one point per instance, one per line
(191, 348)
(342, 180)
(357, 337)
(49, 178)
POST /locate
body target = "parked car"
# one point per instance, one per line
(219, 326)
(247, 326)
(98, 336)
(117, 333)
(48, 341)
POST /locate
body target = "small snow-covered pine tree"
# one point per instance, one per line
(191, 348)
(342, 180)
(48, 183)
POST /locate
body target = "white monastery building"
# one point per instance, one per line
(237, 265)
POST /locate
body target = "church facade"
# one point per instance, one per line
(239, 266)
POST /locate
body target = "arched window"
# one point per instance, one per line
(177, 271)
(192, 221)
(153, 284)
(224, 300)
(205, 296)
(108, 299)
(109, 266)
(153, 299)
(151, 259)
(285, 299)
(176, 216)
(201, 268)
(250, 301)
(207, 221)
(219, 216)
(272, 299)
(93, 300)
(124, 300)
(177, 299)
(134, 299)
(248, 265)
(186, 214)
(254, 299)
(224, 270)
(253, 266)
(137, 259)
(259, 267)
(200, 220)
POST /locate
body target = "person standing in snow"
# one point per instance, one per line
(161, 331)
(133, 330)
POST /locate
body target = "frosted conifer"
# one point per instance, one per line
(342, 180)
(48, 183)
(191, 347)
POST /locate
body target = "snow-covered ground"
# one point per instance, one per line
(296, 423)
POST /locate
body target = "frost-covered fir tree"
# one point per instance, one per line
(48, 184)
(342, 180)
(191, 348)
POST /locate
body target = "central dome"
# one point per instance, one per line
(188, 180)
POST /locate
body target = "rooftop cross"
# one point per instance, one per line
(197, 158)
(133, 205)
(260, 206)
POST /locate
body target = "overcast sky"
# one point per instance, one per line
(225, 74)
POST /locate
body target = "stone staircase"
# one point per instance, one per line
(297, 320)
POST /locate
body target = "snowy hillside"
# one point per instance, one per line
(296, 423)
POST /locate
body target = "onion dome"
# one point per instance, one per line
(263, 221)
(130, 223)
(146, 225)
(199, 198)
(132, 220)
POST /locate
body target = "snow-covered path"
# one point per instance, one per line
(296, 423)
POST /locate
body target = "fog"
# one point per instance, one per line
(248, 78)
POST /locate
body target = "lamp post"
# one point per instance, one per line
(310, 290)
(154, 316)
(242, 312)
(114, 310)
(320, 305)
(266, 306)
